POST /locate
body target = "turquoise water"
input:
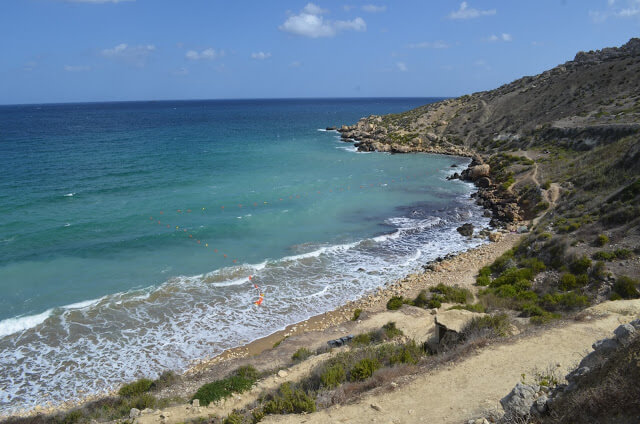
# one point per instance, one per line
(129, 231)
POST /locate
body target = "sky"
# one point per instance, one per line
(58, 51)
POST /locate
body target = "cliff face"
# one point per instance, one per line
(592, 99)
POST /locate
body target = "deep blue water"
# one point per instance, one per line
(128, 231)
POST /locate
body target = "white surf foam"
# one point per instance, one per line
(17, 324)
(69, 195)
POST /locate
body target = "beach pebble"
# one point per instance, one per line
(376, 407)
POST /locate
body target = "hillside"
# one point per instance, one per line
(556, 158)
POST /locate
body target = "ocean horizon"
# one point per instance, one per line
(136, 237)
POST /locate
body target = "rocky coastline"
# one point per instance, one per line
(501, 205)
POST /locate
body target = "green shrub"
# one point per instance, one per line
(289, 401)
(395, 303)
(502, 263)
(356, 314)
(435, 302)
(506, 291)
(363, 369)
(301, 354)
(565, 301)
(421, 300)
(485, 271)
(581, 265)
(333, 376)
(477, 307)
(543, 319)
(623, 253)
(234, 418)
(531, 310)
(391, 331)
(497, 325)
(568, 282)
(626, 288)
(545, 236)
(603, 256)
(599, 270)
(136, 388)
(534, 264)
(512, 276)
(482, 280)
(361, 339)
(248, 372)
(452, 294)
(601, 240)
(408, 353)
(241, 381)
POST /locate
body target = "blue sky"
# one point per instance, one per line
(108, 50)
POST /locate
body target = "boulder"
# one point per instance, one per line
(449, 325)
(195, 403)
(518, 403)
(466, 229)
(483, 182)
(134, 413)
(624, 332)
(540, 405)
(636, 324)
(479, 171)
(495, 237)
(605, 345)
(576, 374)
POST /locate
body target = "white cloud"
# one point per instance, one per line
(206, 54)
(310, 23)
(617, 9)
(465, 12)
(402, 67)
(136, 55)
(439, 44)
(313, 9)
(372, 8)
(77, 68)
(260, 55)
(502, 37)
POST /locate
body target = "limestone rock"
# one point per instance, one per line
(483, 182)
(282, 373)
(605, 345)
(479, 171)
(134, 413)
(518, 403)
(376, 407)
(466, 229)
(495, 237)
(449, 325)
(576, 374)
(624, 332)
(195, 403)
(541, 405)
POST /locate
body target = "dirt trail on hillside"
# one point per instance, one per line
(457, 392)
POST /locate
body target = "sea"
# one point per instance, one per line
(137, 237)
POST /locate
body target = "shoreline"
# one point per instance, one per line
(370, 301)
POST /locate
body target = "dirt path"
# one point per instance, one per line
(458, 392)
(550, 195)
